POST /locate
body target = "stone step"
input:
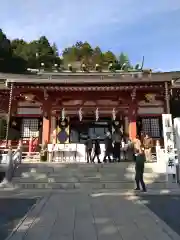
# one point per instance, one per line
(82, 165)
(30, 177)
(85, 176)
(48, 173)
(85, 168)
(70, 186)
(23, 169)
(90, 186)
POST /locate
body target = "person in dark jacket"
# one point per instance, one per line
(97, 150)
(139, 168)
(130, 150)
(117, 138)
(89, 147)
(108, 147)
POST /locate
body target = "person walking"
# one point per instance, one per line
(148, 144)
(108, 147)
(89, 147)
(97, 151)
(139, 169)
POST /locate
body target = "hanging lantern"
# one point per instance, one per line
(14, 123)
(45, 95)
(114, 114)
(63, 114)
(116, 124)
(80, 114)
(133, 94)
(150, 97)
(63, 124)
(28, 97)
(97, 114)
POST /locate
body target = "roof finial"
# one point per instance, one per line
(142, 65)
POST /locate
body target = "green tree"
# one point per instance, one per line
(71, 54)
(55, 50)
(45, 52)
(79, 44)
(18, 55)
(5, 46)
(36, 52)
(81, 52)
(86, 51)
(9, 61)
(109, 57)
(25, 50)
(124, 61)
(97, 56)
(19, 48)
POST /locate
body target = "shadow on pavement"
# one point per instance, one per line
(166, 207)
(2, 175)
(11, 212)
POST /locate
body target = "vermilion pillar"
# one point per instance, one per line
(132, 125)
(30, 145)
(46, 129)
(53, 130)
(132, 115)
(46, 122)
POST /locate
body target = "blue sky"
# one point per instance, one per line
(136, 27)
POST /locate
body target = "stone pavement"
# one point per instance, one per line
(99, 215)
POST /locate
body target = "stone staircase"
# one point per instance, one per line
(34, 157)
(85, 176)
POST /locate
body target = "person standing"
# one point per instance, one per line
(97, 150)
(142, 137)
(139, 169)
(108, 147)
(89, 147)
(123, 149)
(117, 138)
(137, 143)
(130, 151)
(148, 144)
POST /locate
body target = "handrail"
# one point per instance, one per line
(13, 160)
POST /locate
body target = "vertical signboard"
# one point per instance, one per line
(177, 136)
(168, 133)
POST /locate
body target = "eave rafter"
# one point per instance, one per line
(89, 88)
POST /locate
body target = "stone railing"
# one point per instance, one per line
(9, 162)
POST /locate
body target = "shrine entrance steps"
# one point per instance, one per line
(85, 176)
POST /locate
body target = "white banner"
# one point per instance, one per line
(69, 147)
(177, 136)
(168, 133)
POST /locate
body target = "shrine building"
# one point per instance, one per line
(66, 107)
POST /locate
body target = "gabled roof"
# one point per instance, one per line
(101, 78)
